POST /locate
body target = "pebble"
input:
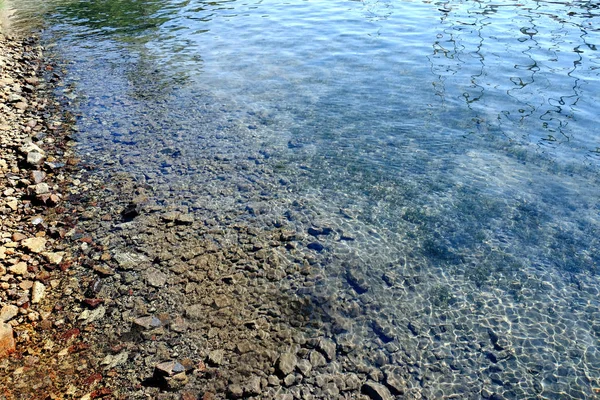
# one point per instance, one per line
(38, 292)
(170, 368)
(155, 278)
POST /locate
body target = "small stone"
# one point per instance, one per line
(112, 361)
(327, 347)
(170, 216)
(317, 359)
(304, 366)
(148, 322)
(179, 325)
(38, 176)
(129, 261)
(54, 258)
(35, 245)
(185, 219)
(376, 391)
(8, 312)
(41, 188)
(34, 158)
(235, 391)
(170, 368)
(215, 357)
(286, 363)
(289, 380)
(252, 386)
(155, 278)
(19, 268)
(393, 378)
(195, 311)
(273, 380)
(17, 237)
(352, 382)
(7, 340)
(38, 292)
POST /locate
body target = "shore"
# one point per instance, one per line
(107, 294)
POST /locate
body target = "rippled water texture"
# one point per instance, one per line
(445, 155)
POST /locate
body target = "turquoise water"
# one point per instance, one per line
(452, 147)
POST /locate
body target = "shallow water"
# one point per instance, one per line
(450, 147)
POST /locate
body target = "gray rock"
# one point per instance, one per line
(352, 382)
(304, 366)
(148, 322)
(252, 386)
(195, 312)
(331, 390)
(38, 291)
(34, 158)
(235, 391)
(155, 278)
(376, 391)
(170, 368)
(286, 363)
(317, 359)
(289, 380)
(215, 357)
(394, 379)
(129, 261)
(327, 347)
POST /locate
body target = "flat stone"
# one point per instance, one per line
(155, 278)
(7, 340)
(148, 322)
(215, 357)
(185, 219)
(376, 391)
(8, 312)
(129, 261)
(54, 258)
(35, 244)
(38, 291)
(19, 268)
(112, 361)
(170, 216)
(17, 237)
(170, 368)
(286, 363)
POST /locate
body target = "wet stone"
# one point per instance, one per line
(376, 391)
(8, 312)
(328, 348)
(357, 281)
(317, 359)
(393, 379)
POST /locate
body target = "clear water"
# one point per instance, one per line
(452, 146)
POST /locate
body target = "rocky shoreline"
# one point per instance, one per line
(108, 294)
